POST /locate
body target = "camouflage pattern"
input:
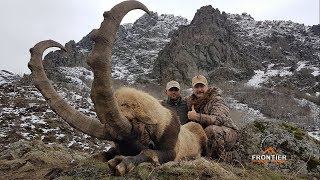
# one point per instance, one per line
(214, 116)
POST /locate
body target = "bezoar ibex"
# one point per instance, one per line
(142, 128)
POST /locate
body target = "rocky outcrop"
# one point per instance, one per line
(302, 151)
(207, 46)
(316, 29)
(288, 53)
(74, 57)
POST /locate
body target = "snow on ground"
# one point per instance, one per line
(250, 114)
(315, 110)
(257, 79)
(7, 77)
(119, 72)
(33, 118)
(254, 31)
(316, 72)
(301, 64)
(2, 134)
(304, 64)
(79, 76)
(263, 76)
(315, 134)
(2, 81)
(247, 114)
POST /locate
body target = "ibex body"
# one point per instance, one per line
(142, 128)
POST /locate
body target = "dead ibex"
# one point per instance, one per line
(143, 130)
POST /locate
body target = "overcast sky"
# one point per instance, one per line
(26, 22)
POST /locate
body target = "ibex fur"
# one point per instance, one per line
(142, 128)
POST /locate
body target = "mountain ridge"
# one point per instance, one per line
(233, 47)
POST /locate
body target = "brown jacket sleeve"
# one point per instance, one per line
(215, 113)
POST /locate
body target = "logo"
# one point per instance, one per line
(269, 155)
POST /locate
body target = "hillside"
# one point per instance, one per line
(268, 70)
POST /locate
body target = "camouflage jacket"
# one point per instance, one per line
(211, 109)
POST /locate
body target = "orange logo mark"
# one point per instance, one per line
(269, 155)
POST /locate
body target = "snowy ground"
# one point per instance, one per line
(315, 134)
(263, 76)
(25, 115)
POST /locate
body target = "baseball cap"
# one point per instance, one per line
(172, 84)
(199, 79)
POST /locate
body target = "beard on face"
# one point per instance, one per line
(174, 97)
(199, 93)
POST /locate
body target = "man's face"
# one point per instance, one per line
(173, 93)
(199, 90)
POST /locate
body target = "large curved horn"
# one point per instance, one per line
(76, 119)
(100, 61)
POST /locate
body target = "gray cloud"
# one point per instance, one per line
(24, 23)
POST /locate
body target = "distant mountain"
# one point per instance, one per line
(136, 47)
(8, 77)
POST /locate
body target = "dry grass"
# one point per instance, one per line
(35, 160)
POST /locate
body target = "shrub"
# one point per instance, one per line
(298, 133)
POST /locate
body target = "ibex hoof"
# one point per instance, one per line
(121, 165)
(124, 167)
(115, 161)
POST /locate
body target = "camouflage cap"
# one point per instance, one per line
(172, 84)
(199, 79)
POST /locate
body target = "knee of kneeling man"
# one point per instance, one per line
(212, 129)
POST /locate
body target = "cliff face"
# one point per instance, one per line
(288, 53)
(207, 46)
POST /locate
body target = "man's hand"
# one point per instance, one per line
(193, 115)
